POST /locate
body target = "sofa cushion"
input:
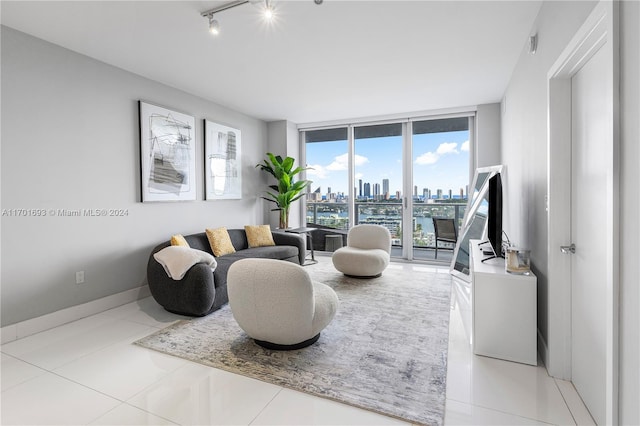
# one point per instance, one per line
(178, 240)
(220, 241)
(259, 236)
(271, 252)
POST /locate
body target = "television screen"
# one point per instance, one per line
(494, 219)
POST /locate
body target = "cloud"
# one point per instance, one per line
(447, 148)
(317, 171)
(341, 162)
(427, 158)
(359, 175)
(444, 148)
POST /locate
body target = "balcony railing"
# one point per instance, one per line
(389, 214)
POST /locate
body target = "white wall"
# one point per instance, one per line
(70, 141)
(487, 152)
(283, 140)
(630, 213)
(524, 136)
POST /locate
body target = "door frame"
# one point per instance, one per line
(599, 31)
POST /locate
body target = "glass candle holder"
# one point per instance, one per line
(518, 261)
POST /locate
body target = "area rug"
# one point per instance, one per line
(385, 350)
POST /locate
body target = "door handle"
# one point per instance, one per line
(568, 249)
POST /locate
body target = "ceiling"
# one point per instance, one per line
(313, 63)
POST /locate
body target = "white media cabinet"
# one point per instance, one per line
(504, 310)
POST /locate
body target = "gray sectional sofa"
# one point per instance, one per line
(201, 291)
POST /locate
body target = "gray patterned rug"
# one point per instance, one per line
(385, 351)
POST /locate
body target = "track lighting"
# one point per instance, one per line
(214, 26)
(269, 11)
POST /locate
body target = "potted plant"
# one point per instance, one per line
(287, 190)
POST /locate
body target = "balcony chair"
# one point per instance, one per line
(446, 232)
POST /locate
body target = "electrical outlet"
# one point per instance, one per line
(79, 277)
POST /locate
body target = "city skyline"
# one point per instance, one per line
(367, 190)
(440, 161)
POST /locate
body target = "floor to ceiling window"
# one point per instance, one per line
(327, 156)
(377, 164)
(440, 159)
(399, 175)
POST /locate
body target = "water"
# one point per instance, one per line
(425, 222)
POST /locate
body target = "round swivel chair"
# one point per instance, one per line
(277, 304)
(367, 252)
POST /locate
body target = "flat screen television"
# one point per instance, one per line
(477, 216)
(494, 215)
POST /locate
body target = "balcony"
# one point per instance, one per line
(332, 217)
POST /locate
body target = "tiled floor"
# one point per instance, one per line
(87, 372)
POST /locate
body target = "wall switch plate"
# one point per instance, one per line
(79, 277)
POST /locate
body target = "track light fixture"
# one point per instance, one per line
(214, 25)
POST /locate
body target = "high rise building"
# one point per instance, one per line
(415, 191)
(376, 191)
(367, 190)
(450, 194)
(425, 193)
(360, 188)
(439, 196)
(385, 186)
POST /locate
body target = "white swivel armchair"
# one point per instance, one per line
(367, 252)
(277, 304)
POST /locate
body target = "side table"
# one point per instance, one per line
(306, 231)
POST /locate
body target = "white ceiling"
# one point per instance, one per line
(338, 60)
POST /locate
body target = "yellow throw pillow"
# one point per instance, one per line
(259, 236)
(220, 241)
(178, 240)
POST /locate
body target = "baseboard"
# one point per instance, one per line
(45, 322)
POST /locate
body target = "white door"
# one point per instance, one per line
(588, 233)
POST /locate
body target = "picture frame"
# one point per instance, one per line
(167, 154)
(222, 162)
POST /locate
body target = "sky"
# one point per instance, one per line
(440, 161)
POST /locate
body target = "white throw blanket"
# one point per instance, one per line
(177, 260)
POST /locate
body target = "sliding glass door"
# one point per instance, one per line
(327, 156)
(440, 159)
(400, 175)
(378, 169)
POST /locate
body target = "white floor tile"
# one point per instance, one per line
(43, 339)
(125, 414)
(518, 389)
(70, 347)
(15, 372)
(504, 386)
(145, 311)
(52, 400)
(458, 413)
(196, 394)
(121, 370)
(96, 368)
(579, 411)
(295, 408)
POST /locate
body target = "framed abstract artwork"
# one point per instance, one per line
(222, 162)
(167, 154)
